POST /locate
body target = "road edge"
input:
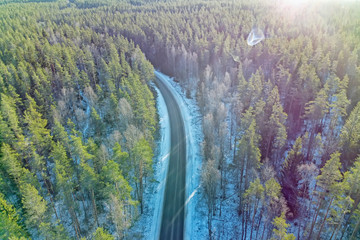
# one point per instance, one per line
(193, 154)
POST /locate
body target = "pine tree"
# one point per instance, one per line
(34, 205)
(10, 116)
(90, 183)
(315, 112)
(59, 134)
(120, 215)
(64, 184)
(114, 65)
(328, 182)
(350, 137)
(114, 182)
(9, 221)
(254, 89)
(248, 154)
(121, 158)
(10, 162)
(275, 127)
(340, 208)
(78, 150)
(356, 230)
(280, 231)
(254, 196)
(97, 125)
(117, 194)
(338, 104)
(53, 231)
(141, 157)
(6, 134)
(352, 178)
(276, 204)
(39, 134)
(290, 177)
(102, 234)
(106, 79)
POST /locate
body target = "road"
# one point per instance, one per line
(172, 223)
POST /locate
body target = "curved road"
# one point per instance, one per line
(172, 223)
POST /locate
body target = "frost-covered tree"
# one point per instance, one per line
(210, 177)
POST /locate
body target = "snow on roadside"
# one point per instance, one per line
(148, 224)
(195, 208)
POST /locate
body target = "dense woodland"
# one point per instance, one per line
(78, 122)
(281, 119)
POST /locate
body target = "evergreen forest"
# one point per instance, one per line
(79, 128)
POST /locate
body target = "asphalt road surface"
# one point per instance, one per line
(172, 223)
